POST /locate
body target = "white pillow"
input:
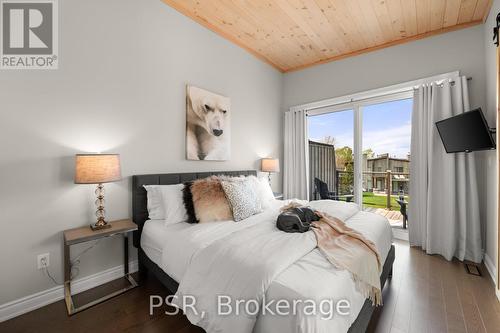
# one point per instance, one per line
(155, 203)
(263, 191)
(165, 203)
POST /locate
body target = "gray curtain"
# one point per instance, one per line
(296, 163)
(444, 207)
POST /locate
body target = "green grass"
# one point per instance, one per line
(380, 201)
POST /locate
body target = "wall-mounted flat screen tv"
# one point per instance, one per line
(466, 132)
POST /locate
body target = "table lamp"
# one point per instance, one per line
(270, 165)
(98, 169)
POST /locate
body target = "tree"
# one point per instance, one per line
(345, 162)
(369, 152)
(343, 157)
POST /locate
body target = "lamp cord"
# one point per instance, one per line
(73, 264)
(50, 275)
(76, 261)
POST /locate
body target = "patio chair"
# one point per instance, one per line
(402, 208)
(322, 189)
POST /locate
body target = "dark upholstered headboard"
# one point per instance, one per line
(139, 196)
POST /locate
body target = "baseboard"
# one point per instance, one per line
(490, 266)
(32, 302)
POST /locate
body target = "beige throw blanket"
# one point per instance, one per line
(348, 249)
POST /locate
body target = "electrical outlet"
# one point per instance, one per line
(43, 260)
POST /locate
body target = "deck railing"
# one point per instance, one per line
(344, 182)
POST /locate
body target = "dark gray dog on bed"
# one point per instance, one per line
(296, 218)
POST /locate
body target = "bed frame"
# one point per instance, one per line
(146, 266)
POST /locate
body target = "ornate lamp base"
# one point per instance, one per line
(100, 212)
(100, 226)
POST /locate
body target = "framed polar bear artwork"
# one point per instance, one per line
(208, 129)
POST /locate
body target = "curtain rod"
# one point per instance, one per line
(352, 100)
(452, 82)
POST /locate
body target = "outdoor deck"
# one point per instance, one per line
(395, 219)
(394, 216)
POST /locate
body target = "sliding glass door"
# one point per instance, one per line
(386, 136)
(360, 152)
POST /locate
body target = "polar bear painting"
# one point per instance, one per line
(207, 126)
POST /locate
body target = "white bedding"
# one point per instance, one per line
(153, 239)
(311, 277)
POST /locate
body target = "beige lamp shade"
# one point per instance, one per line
(270, 165)
(97, 168)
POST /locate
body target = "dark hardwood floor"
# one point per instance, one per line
(430, 294)
(426, 294)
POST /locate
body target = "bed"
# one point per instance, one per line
(158, 247)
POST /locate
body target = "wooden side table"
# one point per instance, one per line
(85, 234)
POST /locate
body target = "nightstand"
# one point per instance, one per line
(278, 196)
(85, 234)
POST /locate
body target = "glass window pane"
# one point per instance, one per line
(386, 140)
(331, 159)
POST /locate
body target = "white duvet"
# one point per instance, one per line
(253, 260)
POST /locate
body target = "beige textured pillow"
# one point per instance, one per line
(242, 198)
(209, 200)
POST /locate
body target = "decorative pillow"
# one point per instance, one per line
(242, 198)
(266, 193)
(165, 203)
(209, 200)
(155, 203)
(263, 191)
(187, 197)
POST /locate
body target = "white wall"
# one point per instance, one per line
(120, 88)
(489, 164)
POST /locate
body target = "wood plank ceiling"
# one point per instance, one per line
(294, 34)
